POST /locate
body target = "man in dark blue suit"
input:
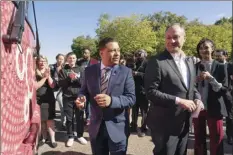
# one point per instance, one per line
(111, 91)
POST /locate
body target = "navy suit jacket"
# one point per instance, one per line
(121, 88)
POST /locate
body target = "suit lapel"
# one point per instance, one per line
(98, 76)
(173, 65)
(214, 64)
(113, 78)
(190, 70)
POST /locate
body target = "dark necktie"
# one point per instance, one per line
(105, 74)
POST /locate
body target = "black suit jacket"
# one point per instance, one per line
(230, 74)
(163, 83)
(215, 101)
(229, 92)
(139, 78)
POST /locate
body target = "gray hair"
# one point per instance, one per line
(176, 25)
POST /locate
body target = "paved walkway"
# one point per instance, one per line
(137, 145)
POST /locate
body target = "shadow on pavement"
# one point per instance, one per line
(63, 153)
(66, 153)
(227, 148)
(61, 135)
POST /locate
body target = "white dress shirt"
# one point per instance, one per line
(180, 62)
(179, 58)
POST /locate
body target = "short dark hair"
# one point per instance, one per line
(86, 48)
(202, 41)
(69, 54)
(141, 52)
(105, 41)
(222, 51)
(59, 55)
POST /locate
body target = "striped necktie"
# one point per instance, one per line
(104, 80)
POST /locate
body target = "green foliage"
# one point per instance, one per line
(161, 19)
(160, 35)
(194, 33)
(220, 34)
(223, 21)
(132, 33)
(148, 32)
(82, 42)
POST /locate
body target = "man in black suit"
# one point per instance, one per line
(141, 100)
(230, 75)
(221, 56)
(169, 85)
(229, 96)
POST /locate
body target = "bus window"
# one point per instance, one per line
(25, 10)
(29, 14)
(31, 19)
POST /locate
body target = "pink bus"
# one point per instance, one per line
(19, 113)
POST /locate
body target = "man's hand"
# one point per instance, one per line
(199, 103)
(80, 102)
(135, 73)
(103, 100)
(187, 105)
(231, 76)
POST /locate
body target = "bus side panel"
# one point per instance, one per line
(18, 95)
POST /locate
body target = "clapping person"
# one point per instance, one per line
(70, 82)
(45, 99)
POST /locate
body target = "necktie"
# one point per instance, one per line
(104, 80)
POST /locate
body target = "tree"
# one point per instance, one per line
(161, 19)
(194, 33)
(82, 42)
(223, 20)
(148, 32)
(195, 22)
(220, 34)
(103, 22)
(159, 22)
(132, 33)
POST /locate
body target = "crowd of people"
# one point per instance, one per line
(173, 91)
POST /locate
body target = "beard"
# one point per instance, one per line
(221, 61)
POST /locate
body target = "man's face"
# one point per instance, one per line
(86, 54)
(60, 60)
(110, 55)
(205, 51)
(220, 57)
(174, 39)
(139, 57)
(71, 60)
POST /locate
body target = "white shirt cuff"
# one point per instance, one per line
(177, 100)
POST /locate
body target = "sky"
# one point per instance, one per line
(59, 22)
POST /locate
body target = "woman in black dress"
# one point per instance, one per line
(46, 100)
